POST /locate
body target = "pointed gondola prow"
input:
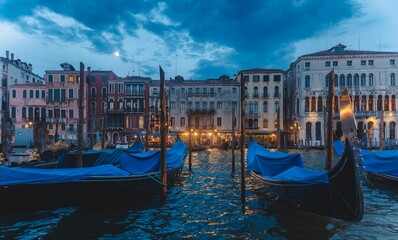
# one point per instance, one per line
(347, 117)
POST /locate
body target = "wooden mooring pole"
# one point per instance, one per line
(329, 122)
(242, 137)
(163, 135)
(190, 145)
(233, 140)
(81, 112)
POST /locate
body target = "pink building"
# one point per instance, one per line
(62, 103)
(27, 103)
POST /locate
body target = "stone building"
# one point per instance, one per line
(264, 103)
(370, 77)
(204, 107)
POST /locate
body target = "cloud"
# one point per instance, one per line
(210, 37)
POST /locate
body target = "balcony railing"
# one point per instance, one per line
(201, 111)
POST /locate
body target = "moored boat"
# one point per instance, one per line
(138, 175)
(380, 165)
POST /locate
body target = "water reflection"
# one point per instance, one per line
(206, 204)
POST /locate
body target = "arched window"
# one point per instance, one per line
(43, 93)
(379, 103)
(336, 80)
(370, 103)
(393, 104)
(93, 92)
(307, 104)
(24, 94)
(23, 112)
(349, 80)
(276, 106)
(255, 92)
(392, 78)
(363, 103)
(37, 94)
(93, 108)
(370, 79)
(265, 106)
(318, 131)
(297, 106)
(356, 80)
(386, 103)
(255, 107)
(30, 110)
(246, 92)
(276, 90)
(13, 112)
(392, 130)
(265, 92)
(255, 123)
(43, 114)
(30, 93)
(308, 133)
(249, 108)
(111, 104)
(313, 104)
(307, 81)
(121, 104)
(104, 92)
(14, 93)
(342, 80)
(363, 79)
(265, 123)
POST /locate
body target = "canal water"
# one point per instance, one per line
(207, 205)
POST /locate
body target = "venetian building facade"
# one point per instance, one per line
(62, 103)
(264, 103)
(99, 89)
(204, 107)
(369, 76)
(14, 71)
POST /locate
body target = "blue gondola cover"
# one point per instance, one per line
(282, 166)
(383, 161)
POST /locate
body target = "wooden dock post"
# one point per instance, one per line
(190, 145)
(242, 138)
(233, 140)
(329, 122)
(80, 126)
(163, 135)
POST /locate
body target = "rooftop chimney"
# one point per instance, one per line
(7, 55)
(12, 56)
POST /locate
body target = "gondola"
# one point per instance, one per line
(100, 157)
(138, 175)
(380, 166)
(335, 193)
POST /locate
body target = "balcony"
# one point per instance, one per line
(256, 95)
(265, 95)
(277, 95)
(201, 111)
(252, 114)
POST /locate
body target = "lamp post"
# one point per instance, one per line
(296, 130)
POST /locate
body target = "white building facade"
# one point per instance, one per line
(204, 106)
(369, 76)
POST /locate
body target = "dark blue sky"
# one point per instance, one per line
(197, 39)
